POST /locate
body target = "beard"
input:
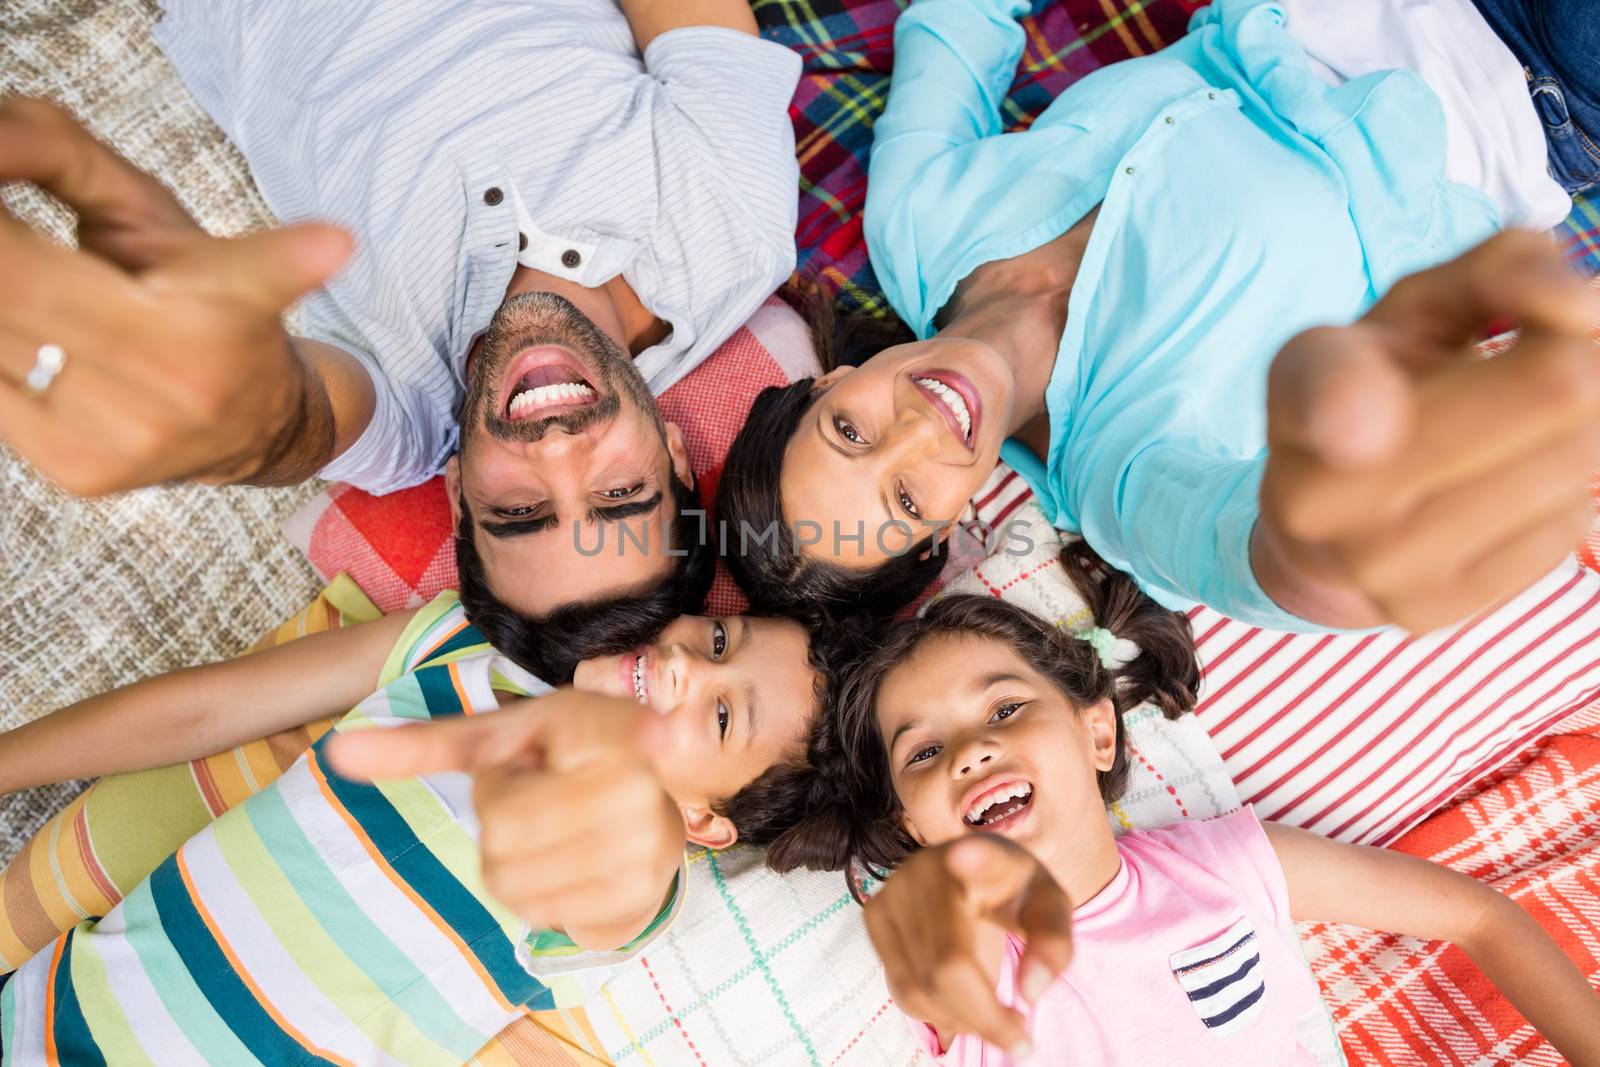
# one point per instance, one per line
(529, 319)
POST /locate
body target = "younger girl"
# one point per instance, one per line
(981, 747)
(328, 919)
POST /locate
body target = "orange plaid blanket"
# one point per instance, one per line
(1534, 833)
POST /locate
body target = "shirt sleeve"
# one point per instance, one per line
(954, 61)
(1234, 847)
(731, 91)
(572, 974)
(406, 442)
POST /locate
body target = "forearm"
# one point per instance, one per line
(334, 404)
(1538, 978)
(649, 19)
(201, 710)
(166, 719)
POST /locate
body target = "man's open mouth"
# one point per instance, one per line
(547, 381)
(997, 808)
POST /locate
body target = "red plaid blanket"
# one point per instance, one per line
(1535, 835)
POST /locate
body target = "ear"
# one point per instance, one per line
(828, 380)
(452, 488)
(910, 828)
(1101, 722)
(679, 453)
(708, 829)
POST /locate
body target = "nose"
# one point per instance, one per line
(972, 755)
(913, 433)
(685, 671)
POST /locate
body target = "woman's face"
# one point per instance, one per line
(737, 696)
(981, 742)
(894, 448)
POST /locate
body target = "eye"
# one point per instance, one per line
(719, 639)
(516, 513)
(907, 503)
(723, 718)
(847, 430)
(926, 752)
(621, 492)
(1005, 711)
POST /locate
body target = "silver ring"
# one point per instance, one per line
(46, 365)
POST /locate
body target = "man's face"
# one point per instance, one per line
(565, 465)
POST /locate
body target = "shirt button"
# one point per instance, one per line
(1211, 96)
(1169, 120)
(522, 242)
(1127, 170)
(570, 259)
(493, 195)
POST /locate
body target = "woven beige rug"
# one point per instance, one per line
(98, 594)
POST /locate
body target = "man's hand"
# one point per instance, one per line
(576, 832)
(926, 923)
(177, 364)
(1409, 482)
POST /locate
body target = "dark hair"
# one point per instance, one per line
(551, 646)
(764, 558)
(857, 816)
(771, 812)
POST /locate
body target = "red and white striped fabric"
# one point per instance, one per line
(1361, 736)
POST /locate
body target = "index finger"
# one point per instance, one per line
(1013, 889)
(469, 743)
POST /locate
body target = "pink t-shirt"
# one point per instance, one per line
(1183, 958)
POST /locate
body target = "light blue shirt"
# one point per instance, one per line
(1242, 201)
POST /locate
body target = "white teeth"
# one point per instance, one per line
(563, 393)
(953, 400)
(638, 679)
(1019, 791)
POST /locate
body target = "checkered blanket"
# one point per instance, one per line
(848, 48)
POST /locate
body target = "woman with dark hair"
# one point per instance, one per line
(1099, 299)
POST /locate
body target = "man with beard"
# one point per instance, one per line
(558, 209)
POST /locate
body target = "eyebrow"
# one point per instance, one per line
(983, 683)
(911, 724)
(749, 715)
(615, 513)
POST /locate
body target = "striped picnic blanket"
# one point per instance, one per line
(848, 48)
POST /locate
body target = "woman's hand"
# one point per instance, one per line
(177, 363)
(576, 832)
(1408, 481)
(936, 923)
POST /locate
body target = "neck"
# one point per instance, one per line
(613, 306)
(1019, 307)
(1086, 864)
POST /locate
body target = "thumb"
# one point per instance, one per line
(513, 735)
(268, 270)
(1341, 394)
(1013, 889)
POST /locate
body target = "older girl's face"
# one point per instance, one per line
(981, 742)
(896, 447)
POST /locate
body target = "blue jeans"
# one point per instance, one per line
(1558, 44)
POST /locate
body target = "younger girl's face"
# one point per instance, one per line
(980, 742)
(737, 695)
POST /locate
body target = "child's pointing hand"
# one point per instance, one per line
(576, 832)
(936, 925)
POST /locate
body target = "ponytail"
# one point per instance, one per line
(1166, 672)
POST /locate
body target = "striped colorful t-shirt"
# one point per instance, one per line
(322, 921)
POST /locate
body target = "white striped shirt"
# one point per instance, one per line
(421, 127)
